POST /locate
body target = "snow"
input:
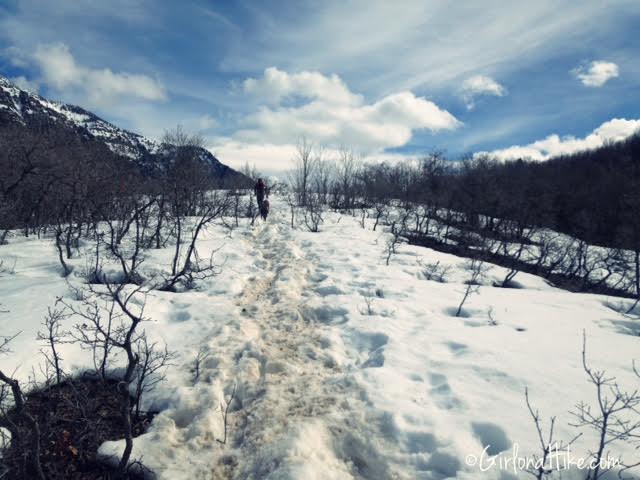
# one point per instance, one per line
(64, 110)
(343, 366)
(8, 87)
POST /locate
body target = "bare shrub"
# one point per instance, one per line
(368, 309)
(312, 213)
(397, 229)
(224, 410)
(53, 336)
(110, 321)
(13, 414)
(611, 419)
(187, 266)
(201, 356)
(477, 270)
(435, 271)
(549, 446)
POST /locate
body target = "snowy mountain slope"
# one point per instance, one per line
(25, 108)
(29, 110)
(345, 367)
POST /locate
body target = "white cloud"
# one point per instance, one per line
(101, 86)
(276, 85)
(333, 115)
(267, 157)
(612, 131)
(327, 113)
(58, 66)
(597, 73)
(479, 85)
(25, 84)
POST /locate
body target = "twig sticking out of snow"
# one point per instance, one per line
(225, 413)
(368, 300)
(201, 356)
(610, 418)
(548, 445)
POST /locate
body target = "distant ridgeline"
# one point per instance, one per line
(55, 157)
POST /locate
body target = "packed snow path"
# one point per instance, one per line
(344, 367)
(296, 407)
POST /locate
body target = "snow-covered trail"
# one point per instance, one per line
(298, 411)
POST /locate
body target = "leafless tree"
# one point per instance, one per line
(381, 209)
(126, 337)
(186, 265)
(347, 174)
(302, 174)
(322, 178)
(66, 269)
(53, 336)
(127, 237)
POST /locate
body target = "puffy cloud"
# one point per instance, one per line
(614, 130)
(479, 85)
(333, 115)
(326, 112)
(60, 70)
(276, 85)
(57, 65)
(597, 73)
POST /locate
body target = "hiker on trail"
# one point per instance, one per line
(264, 209)
(260, 189)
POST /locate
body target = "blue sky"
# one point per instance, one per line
(388, 79)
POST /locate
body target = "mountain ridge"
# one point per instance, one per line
(29, 110)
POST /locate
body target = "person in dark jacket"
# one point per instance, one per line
(260, 189)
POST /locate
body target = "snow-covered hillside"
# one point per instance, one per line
(27, 110)
(343, 366)
(21, 106)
